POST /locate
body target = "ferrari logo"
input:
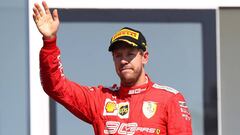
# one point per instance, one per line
(149, 108)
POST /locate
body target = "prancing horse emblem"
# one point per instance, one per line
(149, 108)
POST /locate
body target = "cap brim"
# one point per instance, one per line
(116, 44)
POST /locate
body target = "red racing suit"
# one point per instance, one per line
(147, 109)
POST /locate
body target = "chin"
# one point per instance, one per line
(127, 78)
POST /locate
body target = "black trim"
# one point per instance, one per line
(53, 117)
(210, 75)
(135, 15)
(206, 17)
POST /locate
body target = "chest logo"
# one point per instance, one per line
(149, 108)
(110, 107)
(123, 110)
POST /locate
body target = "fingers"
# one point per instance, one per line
(36, 15)
(39, 13)
(45, 6)
(39, 9)
(55, 15)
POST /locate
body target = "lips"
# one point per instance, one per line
(125, 69)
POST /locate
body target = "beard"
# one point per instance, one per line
(129, 77)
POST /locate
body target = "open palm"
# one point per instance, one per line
(46, 22)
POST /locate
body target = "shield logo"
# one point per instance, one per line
(149, 108)
(123, 110)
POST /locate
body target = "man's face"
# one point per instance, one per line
(129, 63)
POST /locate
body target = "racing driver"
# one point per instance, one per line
(137, 106)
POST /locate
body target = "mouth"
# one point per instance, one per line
(125, 69)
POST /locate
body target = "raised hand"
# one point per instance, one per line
(46, 22)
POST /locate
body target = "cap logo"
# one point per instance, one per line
(126, 32)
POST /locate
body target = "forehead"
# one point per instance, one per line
(125, 49)
(123, 46)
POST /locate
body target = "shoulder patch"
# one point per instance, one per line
(169, 89)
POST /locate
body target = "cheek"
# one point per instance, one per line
(136, 64)
(141, 60)
(144, 61)
(116, 64)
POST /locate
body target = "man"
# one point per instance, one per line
(138, 106)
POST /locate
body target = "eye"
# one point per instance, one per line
(117, 55)
(131, 54)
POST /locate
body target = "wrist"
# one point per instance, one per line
(49, 37)
(49, 43)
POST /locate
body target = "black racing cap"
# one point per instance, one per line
(130, 36)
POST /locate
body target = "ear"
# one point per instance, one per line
(145, 57)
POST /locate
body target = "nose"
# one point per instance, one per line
(124, 61)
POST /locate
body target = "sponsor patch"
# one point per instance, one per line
(149, 108)
(184, 110)
(182, 104)
(158, 131)
(60, 67)
(126, 32)
(136, 91)
(123, 110)
(186, 117)
(115, 127)
(110, 108)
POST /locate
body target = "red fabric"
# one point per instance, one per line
(147, 109)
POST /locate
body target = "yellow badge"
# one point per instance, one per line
(158, 131)
(110, 107)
